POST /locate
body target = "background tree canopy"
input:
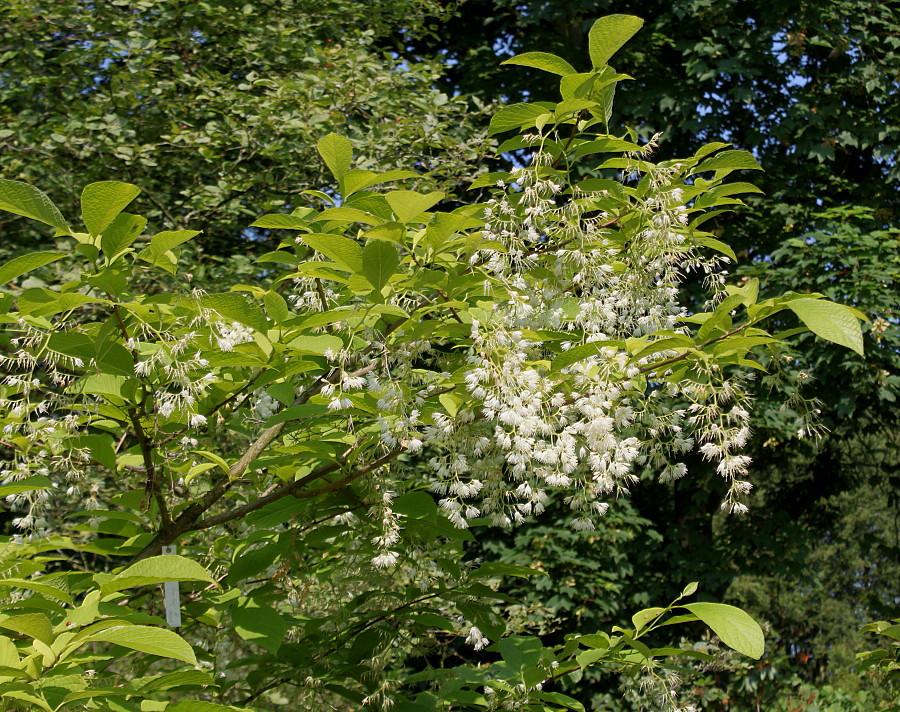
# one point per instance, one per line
(214, 109)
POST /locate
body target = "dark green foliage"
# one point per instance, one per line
(215, 108)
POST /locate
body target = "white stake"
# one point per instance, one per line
(172, 596)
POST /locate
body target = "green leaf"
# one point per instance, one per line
(281, 222)
(237, 307)
(520, 651)
(101, 448)
(716, 245)
(735, 627)
(581, 352)
(729, 160)
(544, 61)
(343, 250)
(407, 204)
(337, 153)
(359, 179)
(182, 678)
(380, 262)
(260, 624)
(642, 618)
(22, 199)
(121, 232)
(155, 570)
(690, 589)
(35, 482)
(34, 625)
(609, 34)
(102, 202)
(38, 587)
(9, 654)
(158, 252)
(833, 322)
(317, 344)
(498, 568)
(18, 266)
(201, 706)
(276, 307)
(147, 639)
(346, 214)
(516, 116)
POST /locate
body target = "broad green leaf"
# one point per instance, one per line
(38, 587)
(735, 627)
(44, 302)
(24, 694)
(9, 654)
(380, 262)
(101, 448)
(281, 222)
(359, 179)
(337, 153)
(347, 214)
(249, 563)
(102, 202)
(716, 245)
(516, 116)
(238, 307)
(280, 257)
(704, 151)
(155, 570)
(121, 232)
(182, 678)
(35, 482)
(498, 568)
(201, 706)
(544, 61)
(259, 624)
(407, 204)
(344, 251)
(589, 657)
(643, 618)
(581, 352)
(608, 34)
(558, 698)
(276, 307)
(18, 266)
(729, 160)
(520, 651)
(147, 639)
(317, 344)
(26, 200)
(34, 625)
(833, 322)
(158, 252)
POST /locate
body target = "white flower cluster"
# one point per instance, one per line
(585, 427)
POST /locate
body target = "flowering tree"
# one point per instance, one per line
(323, 438)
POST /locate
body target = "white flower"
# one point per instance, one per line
(477, 639)
(385, 560)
